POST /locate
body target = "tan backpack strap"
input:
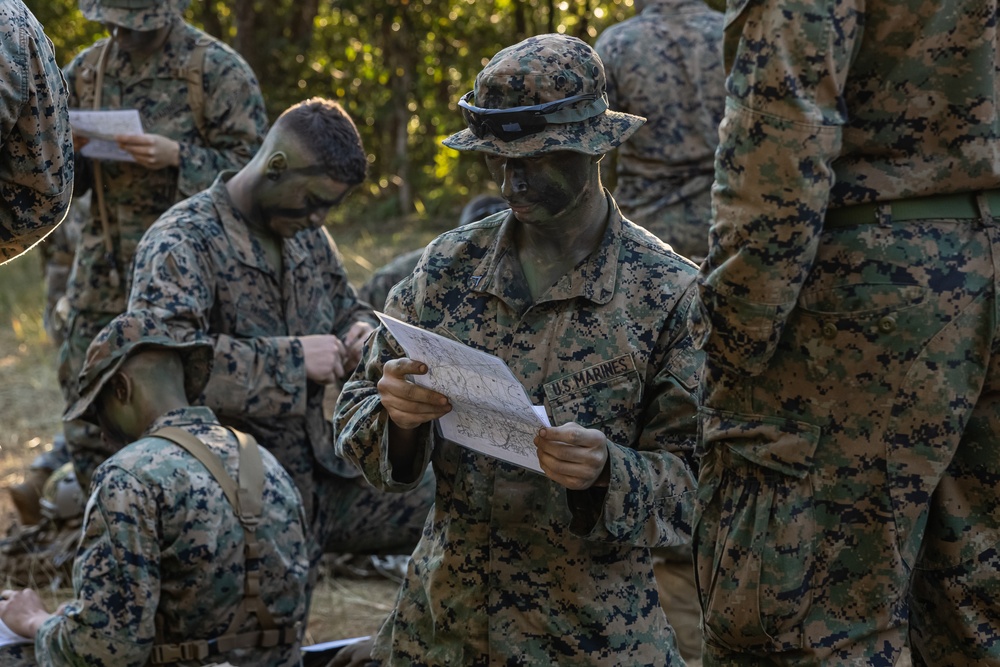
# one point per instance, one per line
(251, 488)
(198, 449)
(246, 499)
(193, 72)
(102, 207)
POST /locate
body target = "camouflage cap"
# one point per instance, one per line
(120, 339)
(541, 70)
(134, 14)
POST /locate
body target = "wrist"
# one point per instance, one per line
(35, 624)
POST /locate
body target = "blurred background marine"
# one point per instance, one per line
(665, 64)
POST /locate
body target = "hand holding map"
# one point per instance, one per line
(101, 127)
(491, 412)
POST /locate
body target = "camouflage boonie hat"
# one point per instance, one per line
(141, 15)
(543, 70)
(118, 341)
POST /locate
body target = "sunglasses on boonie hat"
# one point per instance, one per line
(516, 122)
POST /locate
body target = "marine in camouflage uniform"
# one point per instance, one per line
(233, 122)
(376, 289)
(666, 64)
(162, 559)
(36, 145)
(516, 567)
(848, 309)
(205, 271)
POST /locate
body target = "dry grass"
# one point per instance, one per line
(31, 405)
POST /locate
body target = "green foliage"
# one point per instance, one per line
(398, 66)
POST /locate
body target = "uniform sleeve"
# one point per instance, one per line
(348, 306)
(115, 578)
(36, 146)
(780, 134)
(235, 121)
(361, 423)
(649, 500)
(263, 376)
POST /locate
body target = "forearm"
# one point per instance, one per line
(778, 140)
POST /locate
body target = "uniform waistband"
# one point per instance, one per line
(958, 206)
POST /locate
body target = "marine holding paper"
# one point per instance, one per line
(588, 311)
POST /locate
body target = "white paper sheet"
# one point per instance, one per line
(335, 644)
(491, 412)
(101, 127)
(9, 638)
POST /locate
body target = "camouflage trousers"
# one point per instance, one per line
(848, 495)
(683, 225)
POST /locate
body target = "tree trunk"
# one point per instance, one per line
(400, 61)
(210, 19)
(302, 25)
(245, 14)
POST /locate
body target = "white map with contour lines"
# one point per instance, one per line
(490, 411)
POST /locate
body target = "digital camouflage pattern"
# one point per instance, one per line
(512, 567)
(201, 272)
(235, 122)
(522, 75)
(143, 15)
(848, 483)
(160, 538)
(665, 64)
(36, 145)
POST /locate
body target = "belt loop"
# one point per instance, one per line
(985, 213)
(883, 214)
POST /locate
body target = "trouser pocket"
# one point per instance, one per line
(755, 532)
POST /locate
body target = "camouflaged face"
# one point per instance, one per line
(546, 68)
(123, 337)
(36, 150)
(141, 15)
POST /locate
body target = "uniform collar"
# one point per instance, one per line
(194, 415)
(499, 272)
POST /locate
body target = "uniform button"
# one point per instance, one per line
(829, 330)
(887, 324)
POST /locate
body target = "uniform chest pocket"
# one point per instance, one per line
(610, 398)
(255, 316)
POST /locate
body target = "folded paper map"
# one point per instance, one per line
(490, 410)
